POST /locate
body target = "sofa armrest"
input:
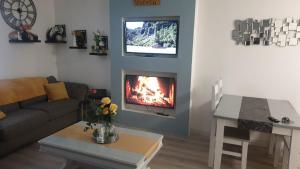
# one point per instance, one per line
(77, 91)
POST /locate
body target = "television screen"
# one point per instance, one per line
(151, 36)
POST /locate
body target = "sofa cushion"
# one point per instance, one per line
(77, 91)
(20, 122)
(56, 91)
(16, 90)
(32, 101)
(10, 107)
(57, 109)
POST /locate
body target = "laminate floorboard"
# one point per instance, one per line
(190, 153)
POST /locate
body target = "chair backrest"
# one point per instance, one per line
(220, 83)
(217, 94)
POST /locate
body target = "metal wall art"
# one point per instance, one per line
(280, 32)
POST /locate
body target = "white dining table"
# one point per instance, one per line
(227, 114)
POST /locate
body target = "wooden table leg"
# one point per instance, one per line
(219, 143)
(295, 150)
(212, 141)
(272, 144)
(277, 151)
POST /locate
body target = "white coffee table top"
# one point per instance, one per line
(104, 152)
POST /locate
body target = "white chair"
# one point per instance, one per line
(232, 136)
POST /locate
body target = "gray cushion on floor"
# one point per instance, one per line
(20, 122)
(57, 109)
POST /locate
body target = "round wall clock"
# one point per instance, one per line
(17, 13)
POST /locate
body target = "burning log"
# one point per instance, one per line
(149, 92)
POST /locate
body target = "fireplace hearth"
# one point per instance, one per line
(150, 91)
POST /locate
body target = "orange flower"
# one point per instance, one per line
(105, 111)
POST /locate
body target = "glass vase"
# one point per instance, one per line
(105, 133)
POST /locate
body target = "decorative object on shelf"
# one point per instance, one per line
(57, 34)
(79, 39)
(281, 32)
(23, 35)
(100, 117)
(101, 44)
(146, 2)
(97, 38)
(21, 16)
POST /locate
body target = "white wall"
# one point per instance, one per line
(205, 67)
(21, 60)
(257, 71)
(78, 65)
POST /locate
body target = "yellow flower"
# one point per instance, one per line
(106, 100)
(113, 108)
(105, 111)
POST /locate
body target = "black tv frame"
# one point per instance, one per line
(143, 19)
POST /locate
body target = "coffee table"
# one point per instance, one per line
(134, 149)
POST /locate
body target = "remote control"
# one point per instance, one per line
(272, 119)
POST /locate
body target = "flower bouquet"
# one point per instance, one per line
(100, 119)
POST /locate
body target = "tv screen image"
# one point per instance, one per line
(151, 37)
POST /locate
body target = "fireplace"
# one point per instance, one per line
(150, 91)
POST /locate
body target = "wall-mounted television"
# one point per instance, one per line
(151, 36)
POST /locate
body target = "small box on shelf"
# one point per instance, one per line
(79, 39)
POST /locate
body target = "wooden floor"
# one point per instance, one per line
(191, 153)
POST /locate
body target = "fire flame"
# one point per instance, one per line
(148, 91)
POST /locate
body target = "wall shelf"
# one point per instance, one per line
(76, 47)
(52, 42)
(24, 41)
(98, 54)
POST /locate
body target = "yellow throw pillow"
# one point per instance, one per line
(56, 91)
(2, 115)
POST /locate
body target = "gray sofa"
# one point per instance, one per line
(33, 119)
